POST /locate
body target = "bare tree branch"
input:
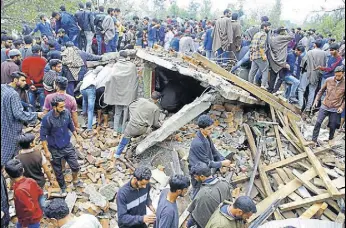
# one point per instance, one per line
(8, 4)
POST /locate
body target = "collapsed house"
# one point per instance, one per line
(263, 134)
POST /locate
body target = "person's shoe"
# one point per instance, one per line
(78, 184)
(115, 134)
(264, 88)
(294, 100)
(233, 70)
(63, 192)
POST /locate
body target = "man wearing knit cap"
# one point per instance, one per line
(203, 150)
(10, 65)
(233, 216)
(333, 104)
(144, 114)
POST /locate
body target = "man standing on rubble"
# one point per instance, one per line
(144, 114)
(203, 150)
(167, 210)
(233, 216)
(132, 200)
(121, 89)
(333, 104)
(213, 192)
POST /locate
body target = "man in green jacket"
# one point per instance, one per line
(233, 216)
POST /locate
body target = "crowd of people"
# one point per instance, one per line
(44, 78)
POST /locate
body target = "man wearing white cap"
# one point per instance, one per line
(10, 65)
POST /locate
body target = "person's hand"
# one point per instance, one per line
(314, 106)
(318, 68)
(226, 163)
(48, 156)
(288, 66)
(40, 115)
(264, 58)
(340, 110)
(79, 140)
(33, 88)
(149, 219)
(55, 184)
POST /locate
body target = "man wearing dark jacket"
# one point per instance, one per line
(85, 20)
(132, 200)
(99, 17)
(203, 150)
(213, 192)
(67, 21)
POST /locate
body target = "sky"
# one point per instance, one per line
(293, 10)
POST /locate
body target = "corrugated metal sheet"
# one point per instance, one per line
(301, 223)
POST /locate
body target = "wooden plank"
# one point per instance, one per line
(296, 145)
(339, 182)
(282, 193)
(288, 214)
(253, 89)
(305, 202)
(340, 218)
(263, 176)
(184, 216)
(294, 159)
(315, 162)
(309, 213)
(277, 134)
(321, 211)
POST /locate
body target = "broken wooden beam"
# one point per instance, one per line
(315, 162)
(248, 86)
(315, 199)
(277, 134)
(293, 159)
(184, 116)
(309, 213)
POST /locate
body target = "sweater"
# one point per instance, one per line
(331, 65)
(33, 67)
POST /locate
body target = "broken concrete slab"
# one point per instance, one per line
(109, 191)
(184, 116)
(95, 197)
(160, 177)
(71, 199)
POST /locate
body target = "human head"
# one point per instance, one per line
(206, 124)
(45, 38)
(201, 172)
(145, 20)
(28, 40)
(55, 65)
(266, 26)
(19, 79)
(58, 104)
(15, 56)
(156, 96)
(43, 18)
(62, 8)
(339, 73)
(154, 21)
(299, 50)
(235, 16)
(14, 168)
(38, 40)
(61, 83)
(8, 41)
(56, 15)
(18, 44)
(70, 44)
(81, 5)
(51, 44)
(332, 40)
(56, 210)
(117, 12)
(243, 208)
(141, 177)
(26, 141)
(318, 44)
(264, 19)
(179, 185)
(110, 11)
(102, 9)
(334, 49)
(135, 18)
(88, 5)
(61, 32)
(227, 13)
(36, 49)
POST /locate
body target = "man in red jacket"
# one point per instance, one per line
(33, 67)
(27, 196)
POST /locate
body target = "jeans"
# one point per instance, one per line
(120, 115)
(151, 43)
(334, 121)
(36, 225)
(123, 143)
(114, 42)
(70, 88)
(292, 86)
(89, 40)
(210, 54)
(245, 59)
(42, 201)
(222, 56)
(304, 83)
(99, 39)
(33, 95)
(89, 98)
(74, 36)
(263, 67)
(139, 42)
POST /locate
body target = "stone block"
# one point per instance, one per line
(109, 191)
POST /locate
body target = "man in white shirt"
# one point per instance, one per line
(59, 215)
(186, 44)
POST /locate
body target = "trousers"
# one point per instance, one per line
(89, 98)
(305, 83)
(263, 67)
(121, 113)
(334, 121)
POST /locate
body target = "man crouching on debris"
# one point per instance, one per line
(213, 192)
(332, 105)
(132, 200)
(203, 150)
(144, 114)
(233, 216)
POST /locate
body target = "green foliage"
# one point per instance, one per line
(206, 9)
(193, 9)
(275, 14)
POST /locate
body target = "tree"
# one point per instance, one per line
(275, 15)
(193, 9)
(206, 9)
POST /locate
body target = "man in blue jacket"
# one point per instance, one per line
(208, 42)
(67, 21)
(132, 200)
(153, 33)
(203, 150)
(44, 27)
